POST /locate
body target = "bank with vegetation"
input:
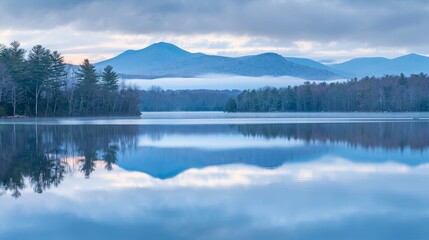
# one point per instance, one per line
(40, 84)
(369, 94)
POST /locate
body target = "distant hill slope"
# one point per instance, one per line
(164, 59)
(317, 65)
(377, 66)
(167, 60)
(143, 61)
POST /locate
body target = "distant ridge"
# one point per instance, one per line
(167, 60)
(378, 66)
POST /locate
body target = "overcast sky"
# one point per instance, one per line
(324, 30)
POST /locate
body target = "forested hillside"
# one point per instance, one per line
(157, 99)
(39, 83)
(370, 94)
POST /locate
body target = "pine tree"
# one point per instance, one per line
(231, 105)
(39, 69)
(109, 79)
(87, 87)
(13, 58)
(56, 81)
(87, 75)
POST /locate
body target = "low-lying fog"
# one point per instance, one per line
(220, 82)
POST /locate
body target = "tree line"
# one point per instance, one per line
(369, 94)
(40, 83)
(157, 99)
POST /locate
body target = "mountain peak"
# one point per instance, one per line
(411, 56)
(269, 55)
(164, 46)
(159, 48)
(137, 61)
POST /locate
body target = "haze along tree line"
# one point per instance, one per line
(369, 94)
(40, 84)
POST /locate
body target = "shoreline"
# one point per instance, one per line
(244, 115)
(15, 117)
(221, 118)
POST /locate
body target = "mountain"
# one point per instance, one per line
(308, 62)
(141, 61)
(377, 66)
(317, 65)
(165, 59)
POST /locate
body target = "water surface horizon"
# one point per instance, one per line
(218, 118)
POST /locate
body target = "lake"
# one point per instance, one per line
(216, 176)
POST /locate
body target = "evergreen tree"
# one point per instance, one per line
(87, 75)
(231, 105)
(4, 87)
(14, 60)
(110, 86)
(109, 79)
(39, 69)
(87, 87)
(56, 81)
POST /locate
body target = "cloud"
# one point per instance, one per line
(382, 24)
(368, 21)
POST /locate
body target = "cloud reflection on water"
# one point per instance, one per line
(353, 181)
(205, 202)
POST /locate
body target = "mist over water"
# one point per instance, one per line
(220, 82)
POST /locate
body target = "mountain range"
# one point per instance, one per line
(167, 60)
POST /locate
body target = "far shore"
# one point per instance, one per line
(14, 117)
(348, 115)
(217, 117)
(221, 114)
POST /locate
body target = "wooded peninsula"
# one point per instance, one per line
(40, 84)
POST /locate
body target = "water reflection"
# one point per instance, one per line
(287, 181)
(391, 135)
(42, 156)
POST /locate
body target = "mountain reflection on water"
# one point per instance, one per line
(42, 156)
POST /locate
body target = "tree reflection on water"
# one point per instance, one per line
(41, 156)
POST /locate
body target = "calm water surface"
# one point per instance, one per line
(134, 179)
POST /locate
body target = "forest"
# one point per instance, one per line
(157, 99)
(39, 83)
(369, 94)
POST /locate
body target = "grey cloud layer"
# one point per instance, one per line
(384, 22)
